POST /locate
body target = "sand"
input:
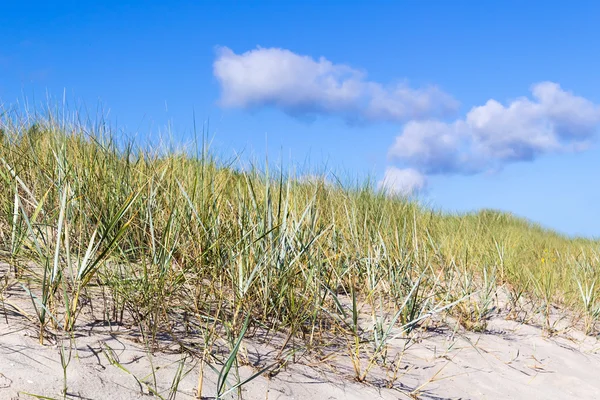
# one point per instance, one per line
(509, 360)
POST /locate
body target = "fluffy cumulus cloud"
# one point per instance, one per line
(300, 85)
(490, 136)
(404, 182)
(493, 135)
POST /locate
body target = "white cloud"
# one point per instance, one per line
(300, 85)
(493, 135)
(405, 182)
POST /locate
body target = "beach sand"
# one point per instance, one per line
(509, 360)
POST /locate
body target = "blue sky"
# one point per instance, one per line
(469, 104)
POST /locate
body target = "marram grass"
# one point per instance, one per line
(174, 243)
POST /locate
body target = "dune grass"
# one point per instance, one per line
(182, 245)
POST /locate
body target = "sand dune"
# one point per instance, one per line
(508, 361)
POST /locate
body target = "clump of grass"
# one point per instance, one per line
(474, 313)
(182, 245)
(587, 279)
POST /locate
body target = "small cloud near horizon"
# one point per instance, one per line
(302, 86)
(405, 182)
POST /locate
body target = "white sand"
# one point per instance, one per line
(510, 361)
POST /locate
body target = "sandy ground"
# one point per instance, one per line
(508, 361)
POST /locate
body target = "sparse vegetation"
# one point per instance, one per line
(193, 249)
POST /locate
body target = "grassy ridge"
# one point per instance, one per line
(170, 241)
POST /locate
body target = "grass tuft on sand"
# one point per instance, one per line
(180, 246)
